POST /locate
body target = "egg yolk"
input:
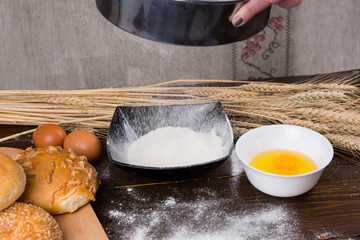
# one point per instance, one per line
(283, 162)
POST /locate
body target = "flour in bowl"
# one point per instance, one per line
(175, 146)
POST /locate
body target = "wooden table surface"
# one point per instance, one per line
(220, 204)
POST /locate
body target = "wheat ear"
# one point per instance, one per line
(329, 115)
(318, 127)
(269, 88)
(318, 95)
(349, 142)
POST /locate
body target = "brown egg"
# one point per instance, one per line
(49, 135)
(84, 143)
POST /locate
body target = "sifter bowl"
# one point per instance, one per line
(182, 22)
(284, 137)
(129, 123)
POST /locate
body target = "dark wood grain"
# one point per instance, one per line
(126, 202)
(221, 204)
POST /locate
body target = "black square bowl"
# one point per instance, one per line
(130, 123)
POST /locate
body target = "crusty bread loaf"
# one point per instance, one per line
(12, 181)
(26, 221)
(58, 180)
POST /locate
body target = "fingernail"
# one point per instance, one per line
(237, 21)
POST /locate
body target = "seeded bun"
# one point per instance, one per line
(26, 221)
(58, 180)
(12, 181)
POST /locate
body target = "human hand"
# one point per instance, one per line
(247, 10)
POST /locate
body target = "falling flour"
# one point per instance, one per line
(175, 146)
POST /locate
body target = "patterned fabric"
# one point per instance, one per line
(267, 54)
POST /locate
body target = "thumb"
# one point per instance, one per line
(250, 9)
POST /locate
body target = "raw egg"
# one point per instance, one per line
(283, 162)
(84, 143)
(49, 135)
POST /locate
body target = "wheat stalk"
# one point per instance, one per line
(324, 104)
(75, 101)
(244, 124)
(270, 88)
(349, 142)
(347, 78)
(256, 114)
(238, 131)
(73, 121)
(319, 95)
(227, 94)
(327, 103)
(345, 129)
(330, 115)
(319, 127)
(335, 87)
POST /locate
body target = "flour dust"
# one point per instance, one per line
(205, 219)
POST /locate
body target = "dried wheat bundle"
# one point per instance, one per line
(327, 103)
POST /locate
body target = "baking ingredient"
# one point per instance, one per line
(202, 211)
(58, 180)
(84, 143)
(202, 218)
(175, 146)
(49, 135)
(283, 162)
(12, 181)
(26, 221)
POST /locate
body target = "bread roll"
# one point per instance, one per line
(26, 221)
(58, 180)
(12, 181)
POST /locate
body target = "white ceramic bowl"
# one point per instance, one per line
(286, 137)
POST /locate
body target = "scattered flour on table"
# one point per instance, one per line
(175, 146)
(170, 201)
(205, 219)
(329, 235)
